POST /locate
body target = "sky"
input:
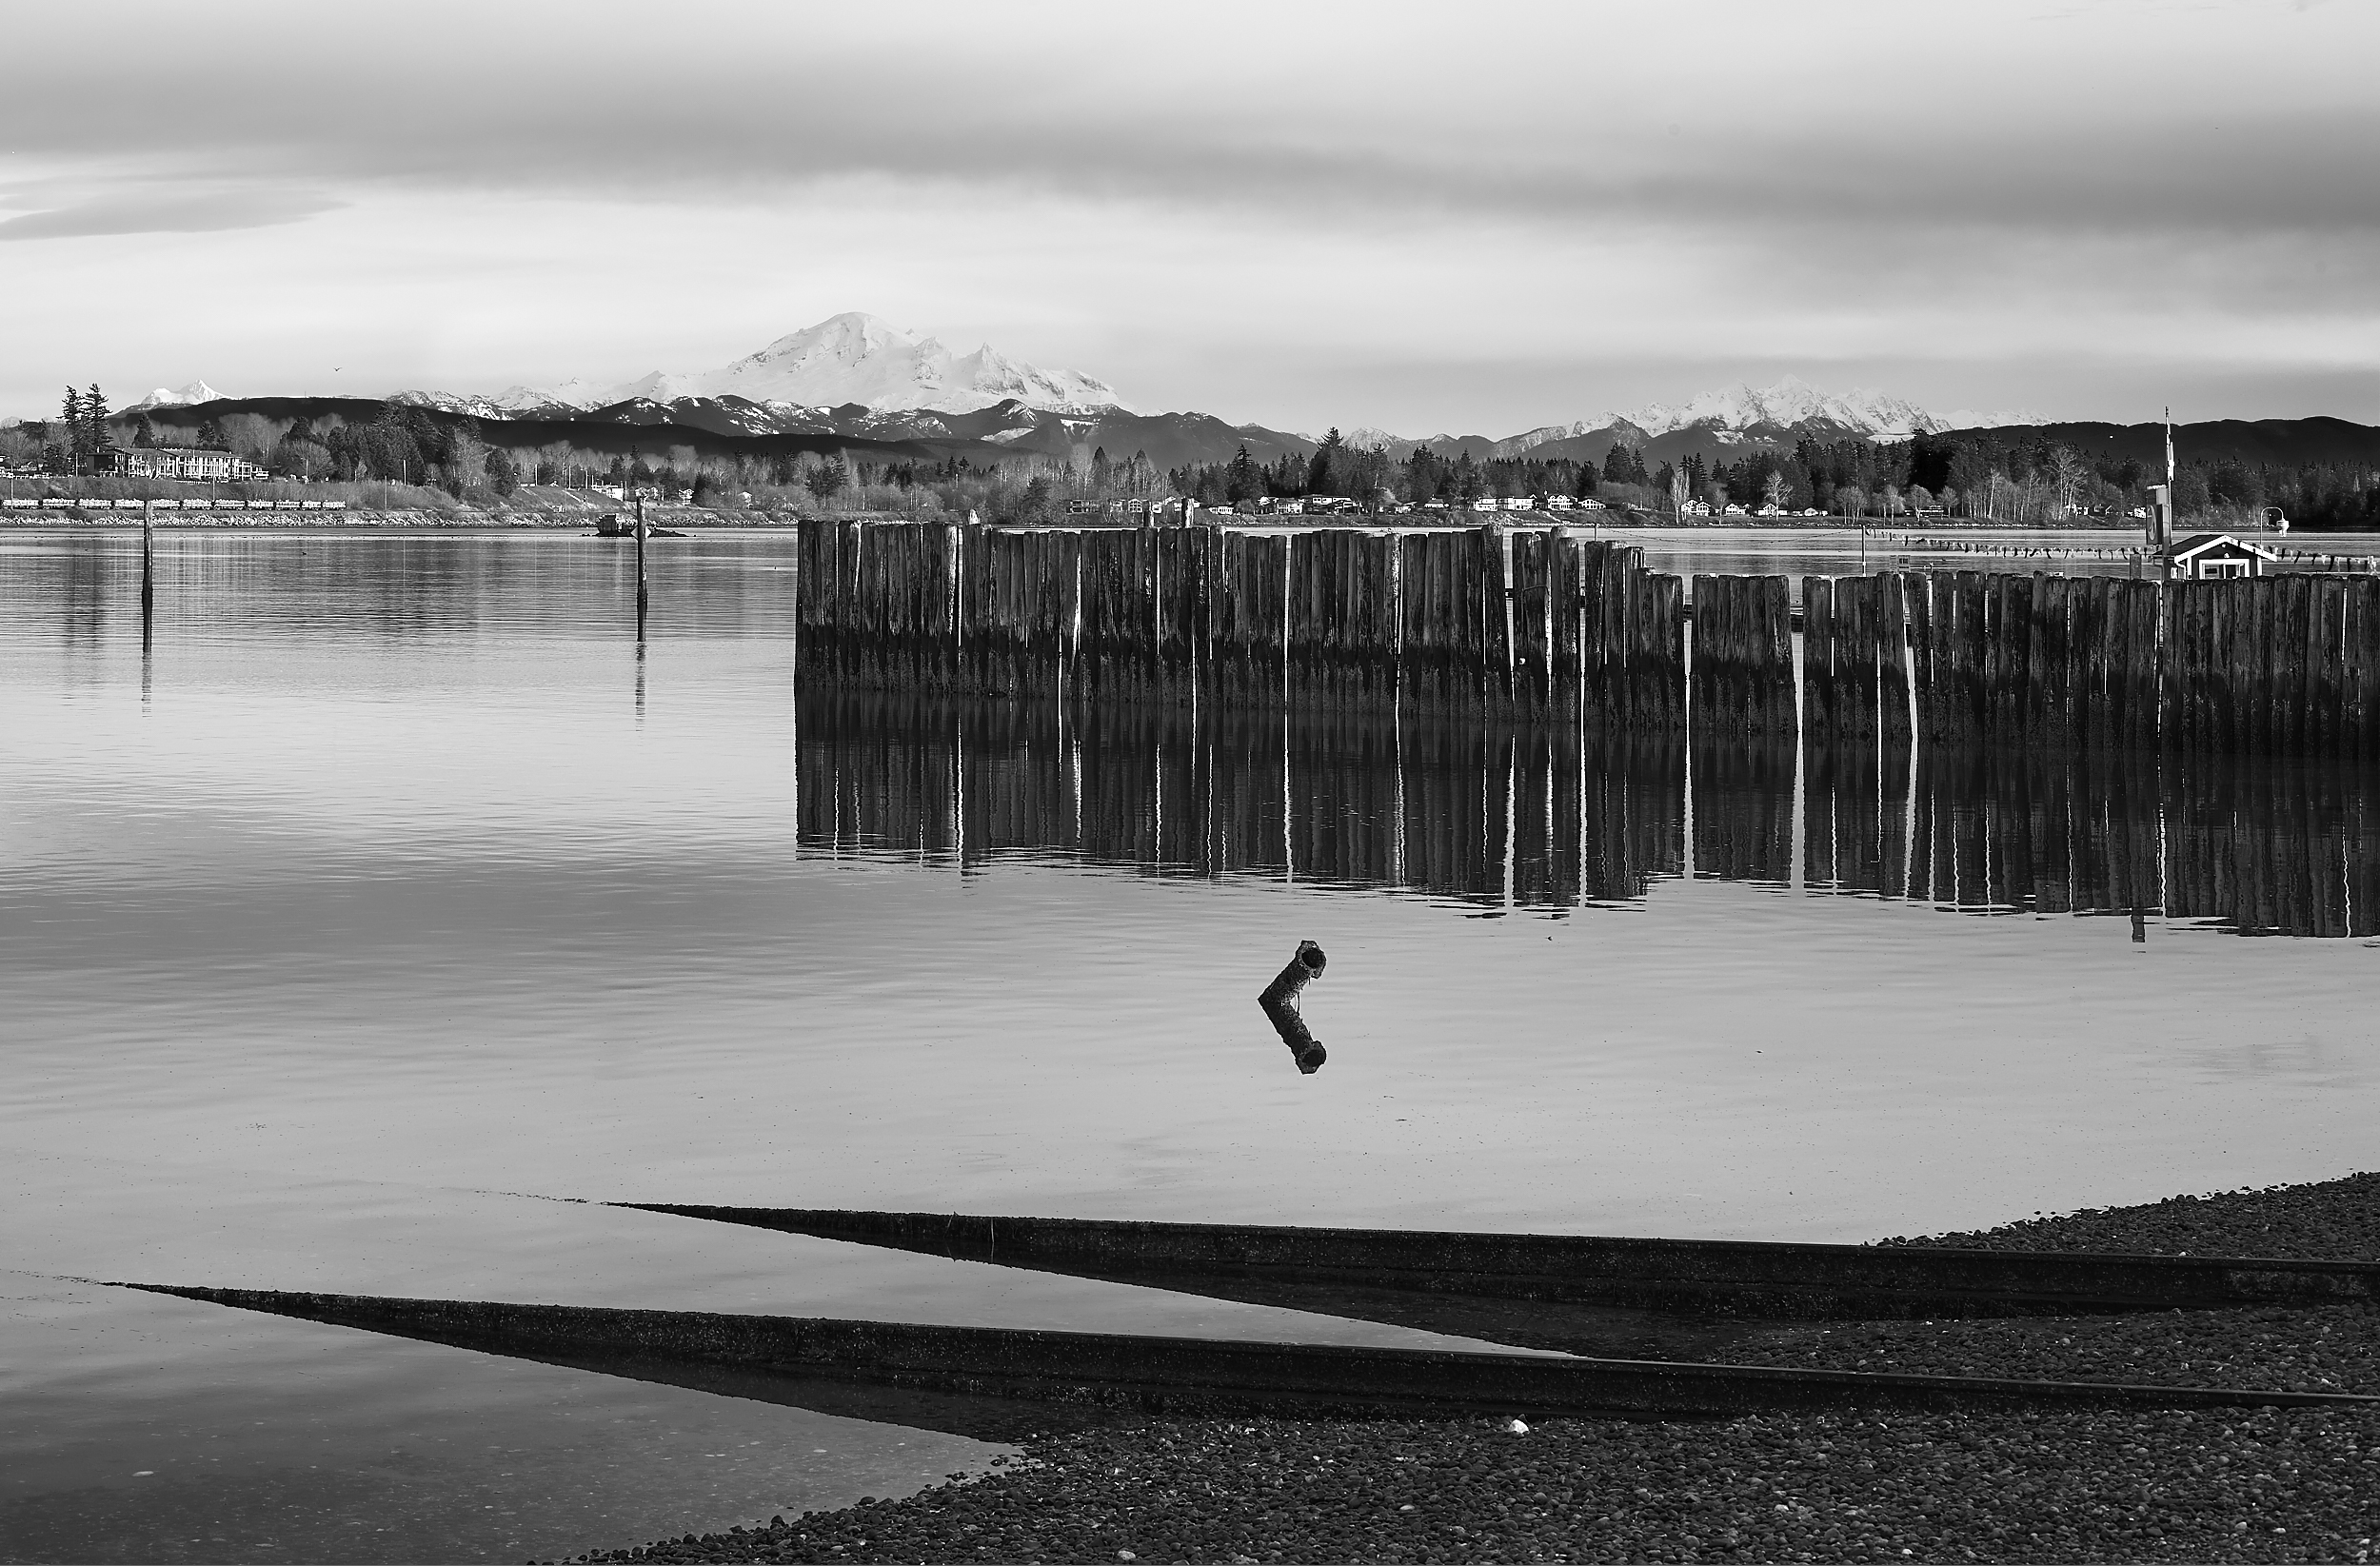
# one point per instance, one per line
(1478, 218)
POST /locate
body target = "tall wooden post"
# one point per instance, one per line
(148, 566)
(640, 565)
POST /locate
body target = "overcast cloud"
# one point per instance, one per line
(1477, 217)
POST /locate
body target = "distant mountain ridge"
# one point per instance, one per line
(729, 427)
(856, 378)
(1777, 415)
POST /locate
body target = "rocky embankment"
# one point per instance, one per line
(2228, 1485)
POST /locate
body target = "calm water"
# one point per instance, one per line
(393, 893)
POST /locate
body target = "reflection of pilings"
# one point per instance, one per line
(1633, 829)
(1743, 813)
(1546, 818)
(2276, 847)
(1344, 774)
(1482, 812)
(1496, 814)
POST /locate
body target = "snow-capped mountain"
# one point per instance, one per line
(197, 391)
(1791, 404)
(852, 358)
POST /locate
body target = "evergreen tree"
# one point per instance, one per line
(1323, 472)
(95, 435)
(1468, 482)
(70, 415)
(503, 474)
(1242, 480)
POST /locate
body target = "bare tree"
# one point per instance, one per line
(2069, 474)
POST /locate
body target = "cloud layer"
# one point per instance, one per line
(1523, 203)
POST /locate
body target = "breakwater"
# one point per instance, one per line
(1542, 626)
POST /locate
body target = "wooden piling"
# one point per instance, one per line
(1565, 595)
(1532, 625)
(2326, 658)
(2360, 675)
(1487, 609)
(1894, 720)
(2291, 636)
(1817, 659)
(1856, 660)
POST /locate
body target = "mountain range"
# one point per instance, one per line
(856, 378)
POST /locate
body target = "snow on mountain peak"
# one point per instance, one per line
(197, 391)
(1792, 403)
(858, 358)
(849, 358)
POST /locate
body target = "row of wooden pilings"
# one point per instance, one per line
(1544, 625)
(1537, 624)
(2285, 665)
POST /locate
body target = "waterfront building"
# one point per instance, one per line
(175, 462)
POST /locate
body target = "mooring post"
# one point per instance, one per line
(149, 565)
(640, 565)
(1279, 1002)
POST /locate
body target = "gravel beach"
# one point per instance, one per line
(2247, 1485)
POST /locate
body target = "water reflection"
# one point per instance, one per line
(1485, 815)
(1532, 818)
(2262, 847)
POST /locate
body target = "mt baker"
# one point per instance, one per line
(852, 358)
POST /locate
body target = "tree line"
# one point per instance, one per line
(2019, 479)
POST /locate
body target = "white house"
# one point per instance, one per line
(2219, 557)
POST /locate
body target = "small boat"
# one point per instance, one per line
(609, 525)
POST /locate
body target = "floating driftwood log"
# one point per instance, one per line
(1279, 1002)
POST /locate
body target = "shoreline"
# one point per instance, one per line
(2025, 1486)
